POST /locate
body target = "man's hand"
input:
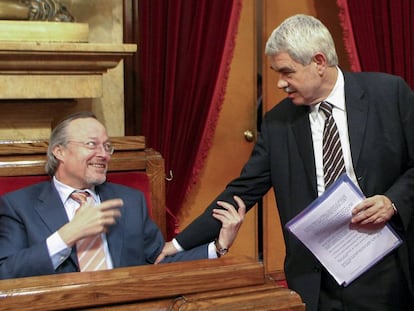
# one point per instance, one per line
(376, 210)
(168, 250)
(231, 220)
(91, 220)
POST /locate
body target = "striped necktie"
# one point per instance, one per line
(91, 255)
(333, 158)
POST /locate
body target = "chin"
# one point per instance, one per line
(298, 102)
(97, 181)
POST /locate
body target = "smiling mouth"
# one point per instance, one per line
(98, 166)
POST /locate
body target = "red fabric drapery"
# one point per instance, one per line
(186, 48)
(383, 33)
(348, 32)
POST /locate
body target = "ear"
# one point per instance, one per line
(320, 62)
(59, 152)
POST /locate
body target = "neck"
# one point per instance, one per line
(329, 81)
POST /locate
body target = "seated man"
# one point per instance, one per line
(46, 228)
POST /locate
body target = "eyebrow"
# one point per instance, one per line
(283, 69)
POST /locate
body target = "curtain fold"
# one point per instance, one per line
(186, 48)
(384, 34)
(348, 33)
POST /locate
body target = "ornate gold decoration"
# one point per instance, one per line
(35, 10)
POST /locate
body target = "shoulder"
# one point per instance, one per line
(378, 87)
(372, 79)
(28, 191)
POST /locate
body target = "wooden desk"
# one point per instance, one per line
(221, 284)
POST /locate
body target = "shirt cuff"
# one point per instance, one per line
(58, 250)
(212, 252)
(177, 245)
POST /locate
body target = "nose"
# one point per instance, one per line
(100, 150)
(281, 83)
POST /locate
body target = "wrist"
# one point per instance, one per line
(177, 245)
(220, 250)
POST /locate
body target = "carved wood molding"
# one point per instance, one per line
(61, 58)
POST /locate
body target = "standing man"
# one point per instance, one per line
(374, 114)
(78, 221)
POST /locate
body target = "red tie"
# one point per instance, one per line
(91, 255)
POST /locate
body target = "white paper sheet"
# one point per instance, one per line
(345, 250)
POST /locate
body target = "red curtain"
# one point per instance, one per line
(383, 31)
(185, 50)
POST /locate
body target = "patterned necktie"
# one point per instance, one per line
(91, 255)
(333, 158)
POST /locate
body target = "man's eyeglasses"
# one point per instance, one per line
(93, 145)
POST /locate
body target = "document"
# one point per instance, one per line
(325, 228)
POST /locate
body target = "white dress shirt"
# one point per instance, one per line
(317, 121)
(58, 250)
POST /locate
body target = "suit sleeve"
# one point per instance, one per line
(143, 237)
(18, 257)
(401, 192)
(253, 182)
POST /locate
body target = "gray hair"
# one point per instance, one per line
(59, 136)
(302, 36)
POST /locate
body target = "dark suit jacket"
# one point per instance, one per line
(29, 216)
(380, 112)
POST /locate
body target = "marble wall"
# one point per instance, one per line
(34, 118)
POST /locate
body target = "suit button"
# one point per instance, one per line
(316, 269)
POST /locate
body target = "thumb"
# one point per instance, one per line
(159, 258)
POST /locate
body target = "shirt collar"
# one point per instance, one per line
(336, 97)
(65, 191)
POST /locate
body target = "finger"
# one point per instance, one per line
(116, 213)
(222, 218)
(360, 207)
(111, 204)
(111, 220)
(159, 258)
(225, 205)
(361, 216)
(369, 220)
(223, 213)
(379, 220)
(227, 209)
(242, 207)
(168, 250)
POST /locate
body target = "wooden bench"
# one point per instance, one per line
(22, 163)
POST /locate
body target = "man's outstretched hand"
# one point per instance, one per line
(168, 250)
(231, 220)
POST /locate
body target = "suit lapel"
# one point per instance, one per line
(115, 233)
(357, 113)
(51, 210)
(303, 136)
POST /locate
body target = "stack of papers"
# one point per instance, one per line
(345, 250)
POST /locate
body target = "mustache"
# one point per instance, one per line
(288, 89)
